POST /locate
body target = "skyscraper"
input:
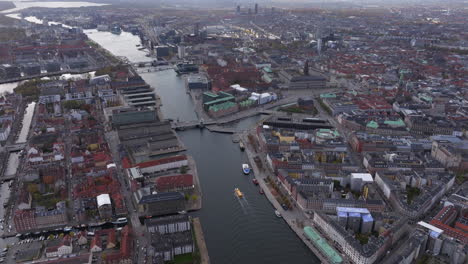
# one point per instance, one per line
(238, 9)
(306, 67)
(196, 29)
(256, 8)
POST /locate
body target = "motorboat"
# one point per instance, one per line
(238, 193)
(241, 146)
(245, 168)
(277, 213)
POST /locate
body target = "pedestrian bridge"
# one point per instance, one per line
(190, 124)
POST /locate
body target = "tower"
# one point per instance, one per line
(196, 29)
(306, 67)
(319, 45)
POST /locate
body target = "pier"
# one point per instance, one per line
(201, 244)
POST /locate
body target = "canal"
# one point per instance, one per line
(236, 231)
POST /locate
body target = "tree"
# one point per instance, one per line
(183, 169)
(72, 104)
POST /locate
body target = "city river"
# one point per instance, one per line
(236, 231)
(28, 4)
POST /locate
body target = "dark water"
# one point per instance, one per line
(177, 104)
(238, 230)
(49, 4)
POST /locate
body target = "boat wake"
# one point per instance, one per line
(245, 205)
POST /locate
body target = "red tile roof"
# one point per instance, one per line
(161, 161)
(172, 182)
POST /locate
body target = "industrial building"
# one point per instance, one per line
(197, 81)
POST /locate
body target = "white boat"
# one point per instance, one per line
(121, 220)
(277, 213)
(245, 168)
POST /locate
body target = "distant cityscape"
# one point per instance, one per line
(349, 119)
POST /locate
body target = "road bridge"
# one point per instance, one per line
(190, 124)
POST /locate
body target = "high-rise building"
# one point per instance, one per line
(367, 223)
(354, 221)
(306, 67)
(238, 9)
(196, 29)
(256, 8)
(181, 51)
(343, 219)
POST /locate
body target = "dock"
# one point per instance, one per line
(201, 244)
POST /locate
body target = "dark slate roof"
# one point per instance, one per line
(306, 78)
(161, 197)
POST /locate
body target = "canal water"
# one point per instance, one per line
(28, 115)
(27, 4)
(236, 230)
(111, 43)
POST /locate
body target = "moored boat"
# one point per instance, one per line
(255, 181)
(261, 191)
(241, 146)
(246, 168)
(277, 213)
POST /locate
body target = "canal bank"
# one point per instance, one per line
(294, 217)
(235, 230)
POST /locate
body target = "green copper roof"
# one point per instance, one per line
(328, 95)
(322, 244)
(222, 106)
(396, 123)
(372, 124)
(425, 97)
(210, 94)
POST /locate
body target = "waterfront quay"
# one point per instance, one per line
(204, 258)
(109, 189)
(296, 218)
